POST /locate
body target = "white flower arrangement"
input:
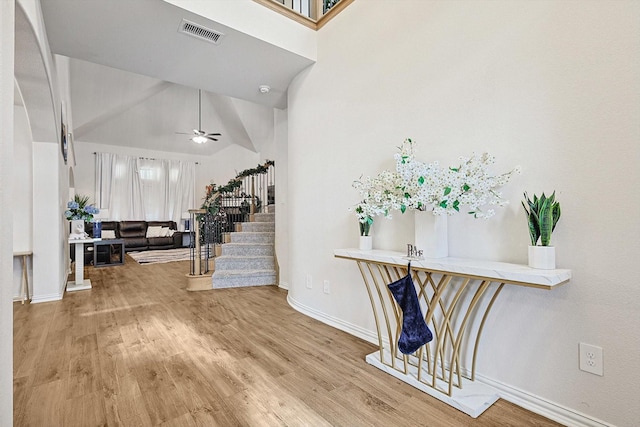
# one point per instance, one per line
(423, 186)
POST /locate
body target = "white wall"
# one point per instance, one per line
(7, 38)
(551, 86)
(219, 168)
(22, 189)
(49, 259)
(281, 157)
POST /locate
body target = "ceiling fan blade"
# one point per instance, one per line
(214, 134)
(183, 133)
(211, 138)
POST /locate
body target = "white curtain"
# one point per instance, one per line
(144, 189)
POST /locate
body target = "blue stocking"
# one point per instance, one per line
(415, 332)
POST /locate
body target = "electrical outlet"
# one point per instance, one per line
(309, 282)
(326, 287)
(591, 359)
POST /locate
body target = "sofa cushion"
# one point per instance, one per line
(133, 229)
(156, 242)
(166, 232)
(154, 231)
(131, 242)
(170, 224)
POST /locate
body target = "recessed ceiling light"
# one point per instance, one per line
(264, 89)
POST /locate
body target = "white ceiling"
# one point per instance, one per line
(134, 77)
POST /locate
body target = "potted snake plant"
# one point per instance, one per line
(543, 214)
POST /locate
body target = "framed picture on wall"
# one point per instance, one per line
(64, 143)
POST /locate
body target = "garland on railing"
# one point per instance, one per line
(328, 4)
(211, 200)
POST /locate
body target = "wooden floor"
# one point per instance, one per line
(139, 350)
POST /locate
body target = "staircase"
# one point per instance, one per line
(248, 259)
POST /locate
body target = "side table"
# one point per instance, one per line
(24, 286)
(108, 252)
(80, 283)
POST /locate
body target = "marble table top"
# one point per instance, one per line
(517, 274)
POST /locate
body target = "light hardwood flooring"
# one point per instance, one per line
(139, 350)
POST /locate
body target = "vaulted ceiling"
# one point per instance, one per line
(135, 77)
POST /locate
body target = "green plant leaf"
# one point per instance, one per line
(403, 208)
(466, 187)
(443, 204)
(447, 190)
(421, 180)
(545, 217)
(532, 219)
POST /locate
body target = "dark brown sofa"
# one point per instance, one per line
(134, 234)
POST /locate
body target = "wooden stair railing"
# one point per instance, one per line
(320, 11)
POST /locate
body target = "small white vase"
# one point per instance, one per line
(542, 257)
(431, 236)
(366, 243)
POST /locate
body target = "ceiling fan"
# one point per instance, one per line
(200, 136)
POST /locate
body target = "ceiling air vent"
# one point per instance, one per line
(203, 33)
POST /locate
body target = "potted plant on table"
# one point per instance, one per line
(365, 221)
(78, 212)
(543, 214)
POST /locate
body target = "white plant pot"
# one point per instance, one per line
(542, 257)
(366, 243)
(431, 236)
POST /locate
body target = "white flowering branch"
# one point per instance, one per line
(427, 186)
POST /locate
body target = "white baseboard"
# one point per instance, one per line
(523, 399)
(284, 285)
(335, 322)
(541, 406)
(46, 298)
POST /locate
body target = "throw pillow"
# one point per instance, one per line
(153, 231)
(108, 234)
(164, 231)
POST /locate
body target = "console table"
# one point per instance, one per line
(24, 284)
(456, 296)
(80, 283)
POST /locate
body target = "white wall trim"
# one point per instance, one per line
(518, 397)
(541, 406)
(347, 327)
(47, 298)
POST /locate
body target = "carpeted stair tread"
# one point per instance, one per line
(247, 249)
(236, 273)
(264, 217)
(226, 262)
(258, 236)
(242, 278)
(256, 227)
